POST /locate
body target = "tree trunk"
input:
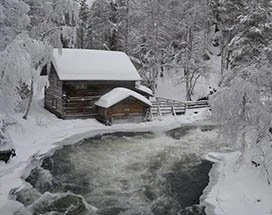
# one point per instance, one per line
(193, 81)
(127, 26)
(29, 100)
(82, 38)
(243, 135)
(187, 84)
(188, 55)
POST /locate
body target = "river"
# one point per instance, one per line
(124, 173)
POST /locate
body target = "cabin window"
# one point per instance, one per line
(81, 86)
(54, 103)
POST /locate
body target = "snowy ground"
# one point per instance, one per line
(171, 86)
(232, 190)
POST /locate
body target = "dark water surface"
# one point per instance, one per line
(123, 173)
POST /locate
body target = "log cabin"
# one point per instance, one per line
(121, 104)
(79, 77)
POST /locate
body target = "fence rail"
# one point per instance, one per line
(197, 104)
(162, 106)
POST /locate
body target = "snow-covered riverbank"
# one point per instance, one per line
(236, 189)
(231, 191)
(43, 132)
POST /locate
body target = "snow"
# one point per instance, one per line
(236, 189)
(43, 132)
(232, 190)
(82, 64)
(171, 86)
(118, 94)
(144, 89)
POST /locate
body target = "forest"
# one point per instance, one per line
(160, 36)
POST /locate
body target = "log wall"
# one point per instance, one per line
(53, 94)
(75, 99)
(129, 109)
(80, 96)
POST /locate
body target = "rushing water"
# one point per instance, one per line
(123, 173)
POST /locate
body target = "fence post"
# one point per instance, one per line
(159, 108)
(173, 109)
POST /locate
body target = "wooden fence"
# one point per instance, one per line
(197, 104)
(162, 106)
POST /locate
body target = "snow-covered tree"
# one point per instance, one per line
(226, 15)
(107, 25)
(192, 43)
(13, 20)
(154, 33)
(20, 62)
(83, 25)
(151, 34)
(54, 21)
(29, 48)
(246, 119)
(148, 41)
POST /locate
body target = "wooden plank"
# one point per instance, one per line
(79, 116)
(167, 107)
(197, 104)
(81, 98)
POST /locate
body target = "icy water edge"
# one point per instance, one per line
(123, 173)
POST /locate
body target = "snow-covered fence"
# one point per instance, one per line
(162, 106)
(197, 104)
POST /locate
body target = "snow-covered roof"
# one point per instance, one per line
(118, 94)
(87, 64)
(144, 89)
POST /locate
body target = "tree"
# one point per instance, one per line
(226, 15)
(30, 48)
(150, 37)
(83, 25)
(107, 25)
(13, 20)
(246, 118)
(21, 62)
(192, 44)
(54, 21)
(158, 35)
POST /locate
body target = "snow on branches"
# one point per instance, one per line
(30, 30)
(247, 119)
(20, 62)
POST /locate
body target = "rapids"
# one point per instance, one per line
(123, 173)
